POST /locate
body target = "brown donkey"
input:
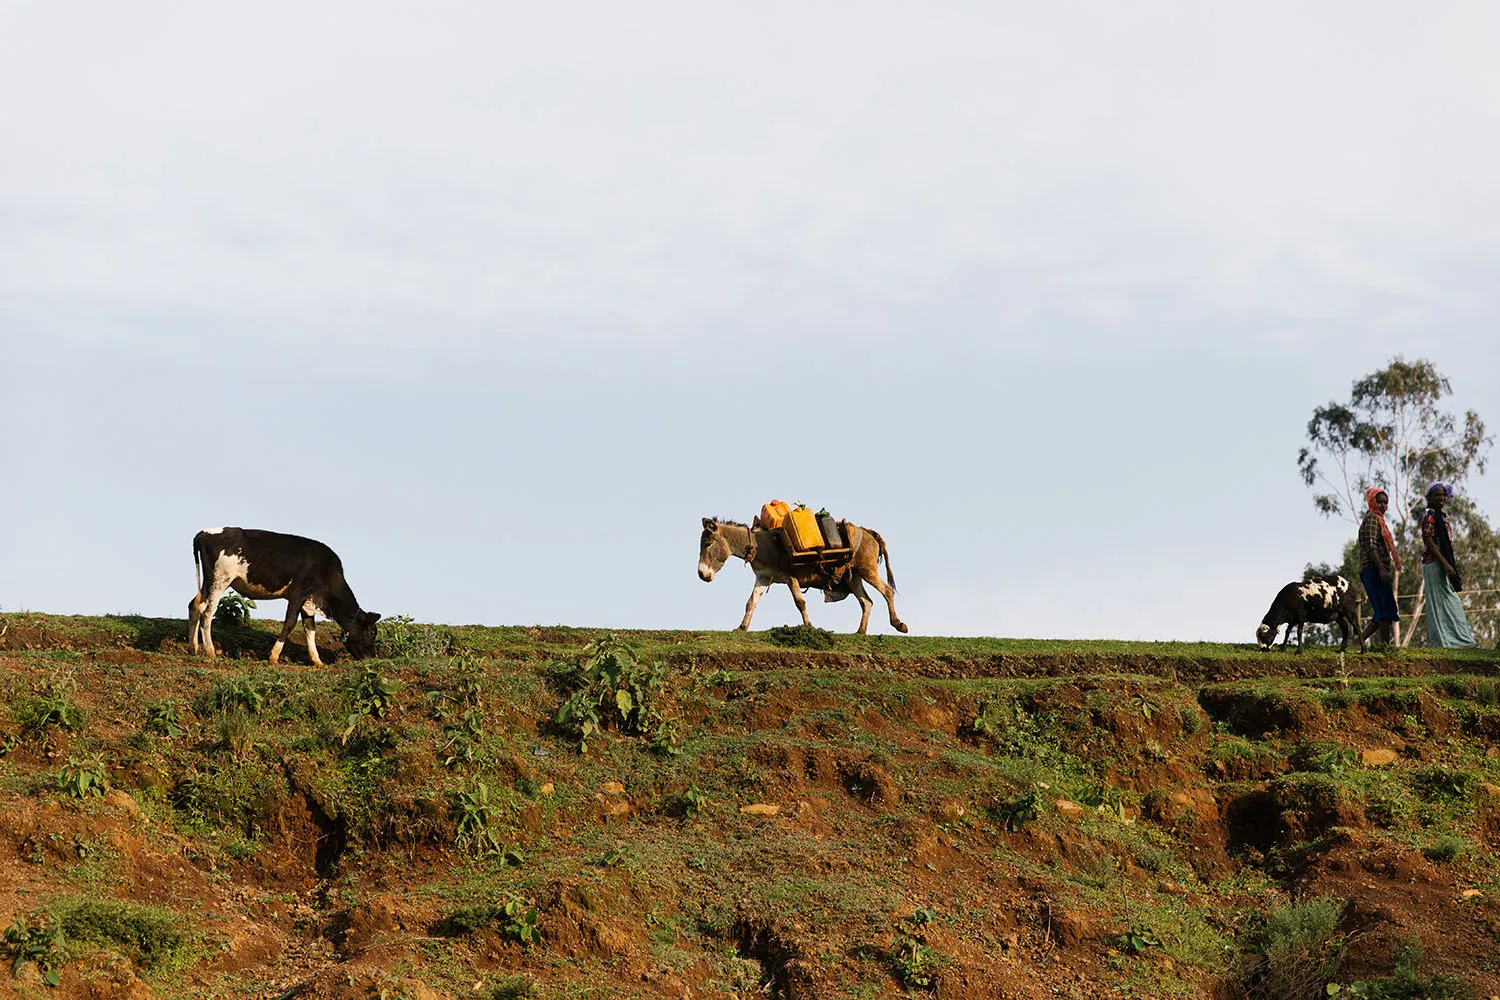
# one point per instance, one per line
(765, 554)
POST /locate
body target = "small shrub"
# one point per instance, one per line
(802, 636)
(83, 779)
(147, 934)
(1299, 949)
(246, 693)
(1191, 717)
(1406, 982)
(522, 923)
(401, 637)
(693, 801)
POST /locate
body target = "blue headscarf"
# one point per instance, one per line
(1447, 490)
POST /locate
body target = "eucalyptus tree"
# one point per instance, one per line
(1394, 433)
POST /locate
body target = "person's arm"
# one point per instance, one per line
(1429, 542)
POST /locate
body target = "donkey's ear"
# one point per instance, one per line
(709, 524)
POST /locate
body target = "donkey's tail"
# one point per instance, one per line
(890, 577)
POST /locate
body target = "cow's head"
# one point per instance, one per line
(359, 638)
(713, 550)
(1266, 636)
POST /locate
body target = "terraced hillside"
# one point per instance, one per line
(511, 812)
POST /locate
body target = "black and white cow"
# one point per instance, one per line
(267, 565)
(1319, 602)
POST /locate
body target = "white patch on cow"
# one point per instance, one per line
(1307, 590)
(212, 531)
(1343, 586)
(276, 650)
(309, 608)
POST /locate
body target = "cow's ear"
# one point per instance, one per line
(709, 524)
(370, 617)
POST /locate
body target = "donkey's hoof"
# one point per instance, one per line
(901, 627)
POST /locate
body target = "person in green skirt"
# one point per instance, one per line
(1446, 624)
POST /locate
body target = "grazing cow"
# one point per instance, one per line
(765, 554)
(267, 565)
(1320, 602)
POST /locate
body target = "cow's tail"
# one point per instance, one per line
(890, 577)
(198, 563)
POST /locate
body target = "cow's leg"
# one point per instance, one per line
(761, 586)
(195, 621)
(1300, 627)
(210, 605)
(873, 576)
(310, 629)
(1286, 640)
(292, 608)
(857, 588)
(796, 589)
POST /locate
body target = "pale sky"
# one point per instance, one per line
(499, 300)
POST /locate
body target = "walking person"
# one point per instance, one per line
(1378, 562)
(1446, 624)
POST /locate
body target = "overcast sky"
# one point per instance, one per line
(500, 299)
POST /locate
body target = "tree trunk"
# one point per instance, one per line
(1416, 610)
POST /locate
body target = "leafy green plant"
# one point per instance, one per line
(1406, 982)
(373, 697)
(53, 706)
(1442, 784)
(693, 801)
(1018, 810)
(164, 719)
(916, 965)
(475, 813)
(1136, 941)
(1145, 706)
(233, 610)
(610, 687)
(246, 693)
(83, 779)
(522, 923)
(35, 942)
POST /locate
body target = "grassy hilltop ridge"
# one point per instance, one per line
(496, 812)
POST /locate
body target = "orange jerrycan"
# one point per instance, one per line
(773, 513)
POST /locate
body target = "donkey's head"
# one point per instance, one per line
(713, 550)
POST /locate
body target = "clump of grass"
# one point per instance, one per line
(1442, 784)
(1446, 848)
(801, 636)
(517, 919)
(1407, 982)
(517, 987)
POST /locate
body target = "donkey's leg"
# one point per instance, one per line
(796, 590)
(857, 588)
(310, 628)
(890, 597)
(286, 630)
(761, 586)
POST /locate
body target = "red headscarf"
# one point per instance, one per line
(1390, 543)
